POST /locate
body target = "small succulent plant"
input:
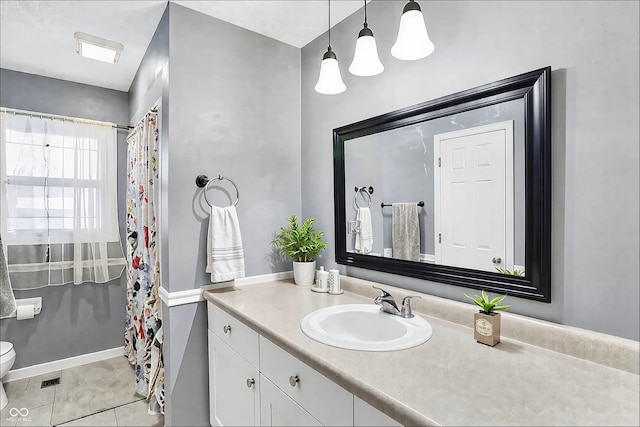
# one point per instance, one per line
(488, 306)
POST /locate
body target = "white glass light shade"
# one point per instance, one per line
(413, 41)
(330, 81)
(365, 59)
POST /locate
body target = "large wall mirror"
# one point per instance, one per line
(455, 190)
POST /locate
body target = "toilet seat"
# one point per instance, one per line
(5, 347)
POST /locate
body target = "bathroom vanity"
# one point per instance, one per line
(252, 381)
(263, 370)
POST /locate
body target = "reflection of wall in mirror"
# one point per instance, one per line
(374, 159)
(362, 169)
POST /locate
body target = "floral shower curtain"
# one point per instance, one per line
(143, 326)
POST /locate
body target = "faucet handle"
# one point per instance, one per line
(383, 292)
(384, 297)
(406, 306)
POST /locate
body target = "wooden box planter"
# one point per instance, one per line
(486, 328)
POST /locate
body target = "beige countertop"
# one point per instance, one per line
(451, 379)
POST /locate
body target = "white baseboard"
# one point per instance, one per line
(171, 299)
(428, 258)
(56, 365)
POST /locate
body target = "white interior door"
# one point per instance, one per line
(473, 212)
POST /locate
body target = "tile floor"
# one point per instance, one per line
(96, 394)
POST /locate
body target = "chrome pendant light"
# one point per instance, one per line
(365, 59)
(413, 41)
(330, 81)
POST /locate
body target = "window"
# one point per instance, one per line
(59, 195)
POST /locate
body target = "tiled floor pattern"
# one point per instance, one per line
(96, 394)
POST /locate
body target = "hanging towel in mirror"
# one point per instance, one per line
(364, 238)
(7, 299)
(225, 256)
(405, 231)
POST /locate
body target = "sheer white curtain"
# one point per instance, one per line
(59, 211)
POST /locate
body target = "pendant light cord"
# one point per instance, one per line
(365, 13)
(329, 24)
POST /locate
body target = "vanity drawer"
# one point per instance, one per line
(322, 398)
(234, 333)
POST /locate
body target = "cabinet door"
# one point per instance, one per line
(233, 387)
(366, 415)
(278, 409)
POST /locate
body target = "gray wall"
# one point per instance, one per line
(235, 111)
(80, 319)
(230, 107)
(592, 48)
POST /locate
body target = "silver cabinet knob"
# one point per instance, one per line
(294, 380)
(496, 260)
(227, 329)
(250, 382)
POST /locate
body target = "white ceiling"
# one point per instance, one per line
(36, 37)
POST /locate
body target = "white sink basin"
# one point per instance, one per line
(364, 327)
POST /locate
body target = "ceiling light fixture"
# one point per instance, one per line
(97, 48)
(413, 41)
(330, 81)
(365, 58)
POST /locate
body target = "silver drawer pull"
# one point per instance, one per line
(294, 380)
(250, 382)
(227, 329)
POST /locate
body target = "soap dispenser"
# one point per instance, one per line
(322, 281)
(318, 275)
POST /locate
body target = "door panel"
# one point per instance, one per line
(473, 192)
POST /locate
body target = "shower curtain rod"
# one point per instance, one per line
(63, 118)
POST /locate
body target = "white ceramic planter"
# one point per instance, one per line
(304, 273)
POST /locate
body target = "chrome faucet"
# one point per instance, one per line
(388, 304)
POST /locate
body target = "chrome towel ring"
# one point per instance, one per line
(368, 191)
(203, 182)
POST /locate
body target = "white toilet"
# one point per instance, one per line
(7, 357)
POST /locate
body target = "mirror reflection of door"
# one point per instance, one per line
(473, 195)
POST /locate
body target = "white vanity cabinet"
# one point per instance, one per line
(234, 387)
(325, 400)
(234, 379)
(278, 409)
(366, 415)
(252, 381)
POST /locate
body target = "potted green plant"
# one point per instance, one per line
(302, 244)
(487, 321)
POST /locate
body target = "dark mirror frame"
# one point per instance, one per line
(535, 88)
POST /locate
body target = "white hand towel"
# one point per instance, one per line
(225, 256)
(405, 231)
(364, 238)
